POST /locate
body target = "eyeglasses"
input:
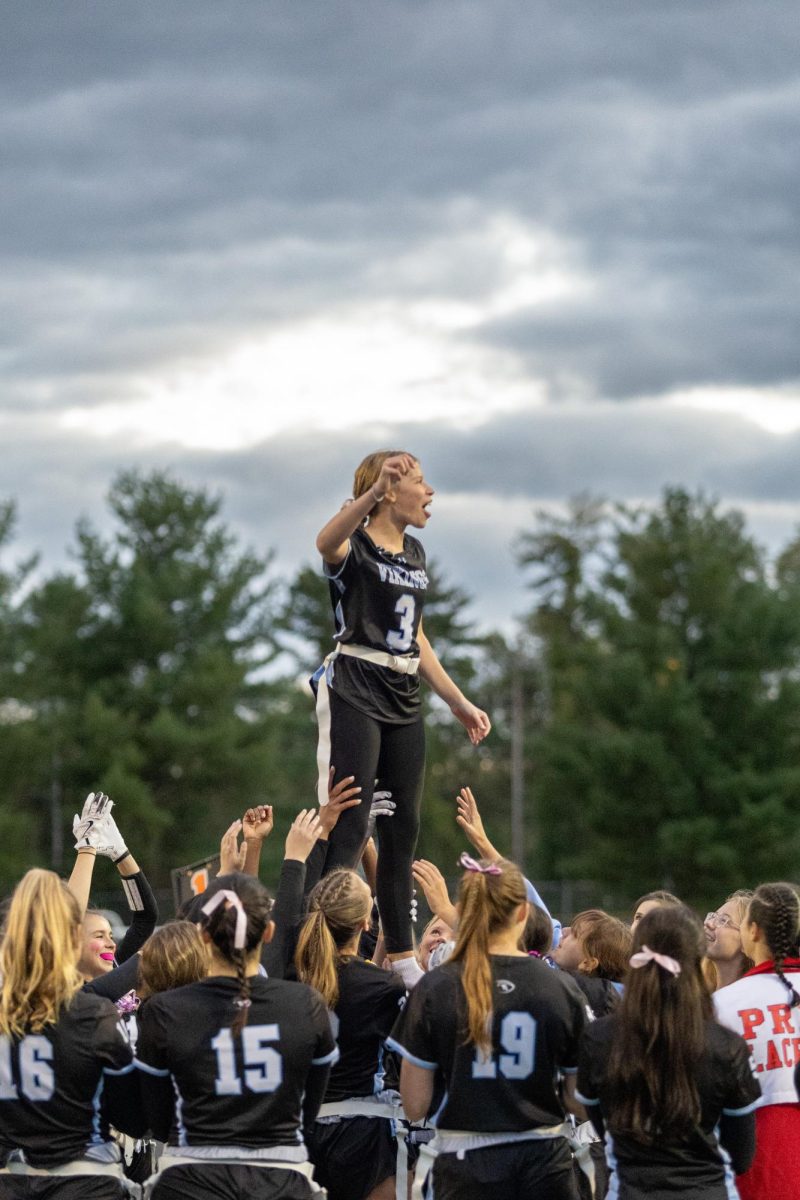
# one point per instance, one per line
(722, 920)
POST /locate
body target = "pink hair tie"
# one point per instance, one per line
(469, 864)
(646, 955)
(240, 933)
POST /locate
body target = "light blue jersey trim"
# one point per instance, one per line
(418, 1062)
(121, 1070)
(326, 1058)
(742, 1112)
(143, 1066)
(584, 1099)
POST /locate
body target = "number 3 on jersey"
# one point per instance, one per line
(518, 1039)
(263, 1064)
(400, 640)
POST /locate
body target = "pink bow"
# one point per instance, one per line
(646, 955)
(469, 864)
(240, 933)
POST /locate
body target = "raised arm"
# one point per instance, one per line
(80, 881)
(333, 538)
(474, 720)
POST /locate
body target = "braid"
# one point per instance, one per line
(220, 925)
(775, 908)
(337, 907)
(242, 1000)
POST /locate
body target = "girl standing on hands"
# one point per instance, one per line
(368, 694)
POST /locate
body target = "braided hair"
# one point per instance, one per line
(337, 908)
(220, 925)
(775, 909)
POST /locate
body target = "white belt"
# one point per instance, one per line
(77, 1167)
(362, 1106)
(404, 664)
(390, 1110)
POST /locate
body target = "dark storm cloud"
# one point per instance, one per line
(178, 173)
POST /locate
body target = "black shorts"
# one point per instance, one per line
(218, 1181)
(353, 1156)
(61, 1187)
(541, 1168)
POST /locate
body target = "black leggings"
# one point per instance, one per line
(395, 756)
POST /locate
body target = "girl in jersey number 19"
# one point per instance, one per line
(368, 701)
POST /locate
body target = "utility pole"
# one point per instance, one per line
(517, 762)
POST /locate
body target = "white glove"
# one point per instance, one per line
(103, 834)
(94, 806)
(382, 806)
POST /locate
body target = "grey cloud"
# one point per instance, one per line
(489, 481)
(179, 171)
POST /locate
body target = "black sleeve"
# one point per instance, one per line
(287, 913)
(117, 982)
(121, 1097)
(144, 915)
(155, 1077)
(589, 1071)
(314, 865)
(737, 1135)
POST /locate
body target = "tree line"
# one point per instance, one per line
(646, 710)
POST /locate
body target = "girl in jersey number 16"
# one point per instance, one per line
(368, 701)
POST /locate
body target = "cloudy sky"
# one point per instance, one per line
(547, 245)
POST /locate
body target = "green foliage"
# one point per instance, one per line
(670, 749)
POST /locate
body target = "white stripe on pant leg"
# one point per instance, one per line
(323, 737)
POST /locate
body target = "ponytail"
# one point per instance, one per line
(487, 904)
(337, 908)
(775, 909)
(315, 957)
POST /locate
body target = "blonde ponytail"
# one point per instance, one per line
(337, 907)
(487, 904)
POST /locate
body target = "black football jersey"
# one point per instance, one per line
(51, 1082)
(241, 1089)
(538, 1016)
(368, 1005)
(695, 1166)
(377, 600)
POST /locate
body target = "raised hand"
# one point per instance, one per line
(469, 818)
(392, 472)
(341, 797)
(257, 823)
(231, 854)
(431, 880)
(94, 806)
(475, 720)
(304, 832)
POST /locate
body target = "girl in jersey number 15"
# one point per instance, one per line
(368, 701)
